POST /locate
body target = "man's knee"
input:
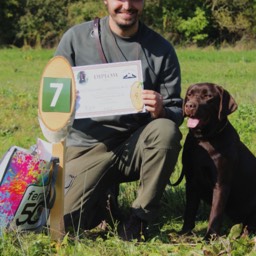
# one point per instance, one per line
(164, 133)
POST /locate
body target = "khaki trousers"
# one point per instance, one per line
(148, 155)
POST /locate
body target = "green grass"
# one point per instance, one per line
(20, 74)
(234, 70)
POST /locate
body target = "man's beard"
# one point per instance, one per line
(130, 23)
(127, 26)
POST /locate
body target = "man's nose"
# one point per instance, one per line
(127, 4)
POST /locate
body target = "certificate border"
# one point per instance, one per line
(105, 66)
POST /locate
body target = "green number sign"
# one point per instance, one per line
(56, 95)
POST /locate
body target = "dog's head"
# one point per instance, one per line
(206, 105)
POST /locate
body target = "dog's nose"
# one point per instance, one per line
(190, 105)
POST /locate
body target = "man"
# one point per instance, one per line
(105, 151)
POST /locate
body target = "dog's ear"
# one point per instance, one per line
(227, 103)
(183, 107)
(183, 104)
(185, 100)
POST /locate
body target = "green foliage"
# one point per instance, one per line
(85, 10)
(166, 17)
(42, 23)
(193, 27)
(234, 19)
(10, 12)
(152, 14)
(31, 244)
(234, 15)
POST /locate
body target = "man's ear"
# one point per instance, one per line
(227, 103)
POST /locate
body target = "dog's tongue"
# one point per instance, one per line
(192, 122)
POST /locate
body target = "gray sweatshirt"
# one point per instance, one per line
(160, 68)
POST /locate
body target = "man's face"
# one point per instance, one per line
(125, 13)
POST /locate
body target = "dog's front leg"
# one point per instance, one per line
(219, 200)
(192, 204)
(192, 195)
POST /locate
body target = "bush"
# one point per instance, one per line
(42, 23)
(193, 28)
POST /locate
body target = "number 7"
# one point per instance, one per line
(58, 87)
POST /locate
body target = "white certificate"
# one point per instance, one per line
(109, 89)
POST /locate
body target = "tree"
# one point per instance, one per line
(85, 10)
(235, 19)
(178, 20)
(43, 22)
(9, 16)
(193, 27)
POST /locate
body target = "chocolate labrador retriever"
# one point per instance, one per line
(219, 169)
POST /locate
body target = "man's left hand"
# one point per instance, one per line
(153, 103)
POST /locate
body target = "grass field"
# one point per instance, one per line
(20, 74)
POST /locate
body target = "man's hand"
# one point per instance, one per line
(154, 103)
